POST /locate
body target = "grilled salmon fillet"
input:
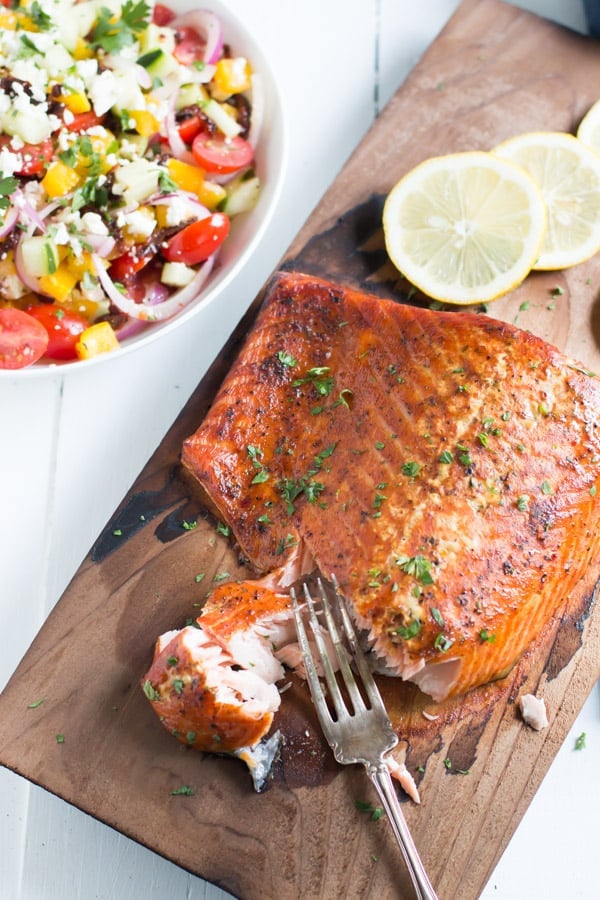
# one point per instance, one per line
(443, 465)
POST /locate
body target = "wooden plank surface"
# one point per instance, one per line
(493, 72)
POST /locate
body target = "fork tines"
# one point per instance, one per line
(339, 651)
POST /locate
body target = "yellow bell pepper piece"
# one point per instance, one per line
(98, 338)
(145, 123)
(82, 50)
(60, 179)
(8, 20)
(60, 284)
(186, 176)
(76, 102)
(232, 76)
(81, 264)
(190, 178)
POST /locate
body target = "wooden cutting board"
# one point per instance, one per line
(493, 72)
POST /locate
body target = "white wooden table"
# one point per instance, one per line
(70, 447)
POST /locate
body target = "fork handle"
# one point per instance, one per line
(381, 778)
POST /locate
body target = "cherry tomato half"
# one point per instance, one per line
(189, 47)
(162, 15)
(63, 328)
(195, 243)
(83, 121)
(34, 157)
(215, 153)
(22, 339)
(189, 128)
(126, 266)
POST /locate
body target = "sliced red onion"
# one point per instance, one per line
(130, 329)
(28, 280)
(10, 220)
(102, 244)
(147, 312)
(208, 26)
(129, 67)
(176, 144)
(200, 211)
(29, 214)
(258, 110)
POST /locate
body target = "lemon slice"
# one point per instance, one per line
(464, 228)
(589, 127)
(568, 174)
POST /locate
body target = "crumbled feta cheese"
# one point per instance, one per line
(92, 224)
(9, 162)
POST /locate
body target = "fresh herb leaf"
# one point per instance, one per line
(112, 33)
(150, 692)
(8, 185)
(286, 359)
(580, 741)
(39, 17)
(185, 790)
(485, 635)
(406, 632)
(36, 703)
(437, 616)
(376, 812)
(417, 566)
(411, 469)
(442, 643)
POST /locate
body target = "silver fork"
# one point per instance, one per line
(364, 734)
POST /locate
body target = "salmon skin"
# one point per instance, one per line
(443, 465)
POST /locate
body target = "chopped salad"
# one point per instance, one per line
(127, 138)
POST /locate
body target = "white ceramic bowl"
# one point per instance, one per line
(246, 230)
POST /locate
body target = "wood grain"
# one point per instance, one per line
(494, 71)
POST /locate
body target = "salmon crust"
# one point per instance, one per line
(443, 465)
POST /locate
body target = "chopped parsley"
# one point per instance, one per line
(376, 812)
(442, 643)
(36, 703)
(286, 359)
(445, 457)
(318, 378)
(406, 632)
(580, 741)
(411, 469)
(185, 790)
(113, 34)
(262, 473)
(150, 692)
(417, 566)
(487, 636)
(8, 185)
(437, 616)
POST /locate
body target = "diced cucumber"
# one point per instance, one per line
(137, 180)
(162, 64)
(139, 145)
(176, 274)
(224, 122)
(191, 95)
(32, 126)
(39, 255)
(157, 37)
(242, 196)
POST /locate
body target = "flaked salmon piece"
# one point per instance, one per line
(213, 684)
(533, 710)
(443, 465)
